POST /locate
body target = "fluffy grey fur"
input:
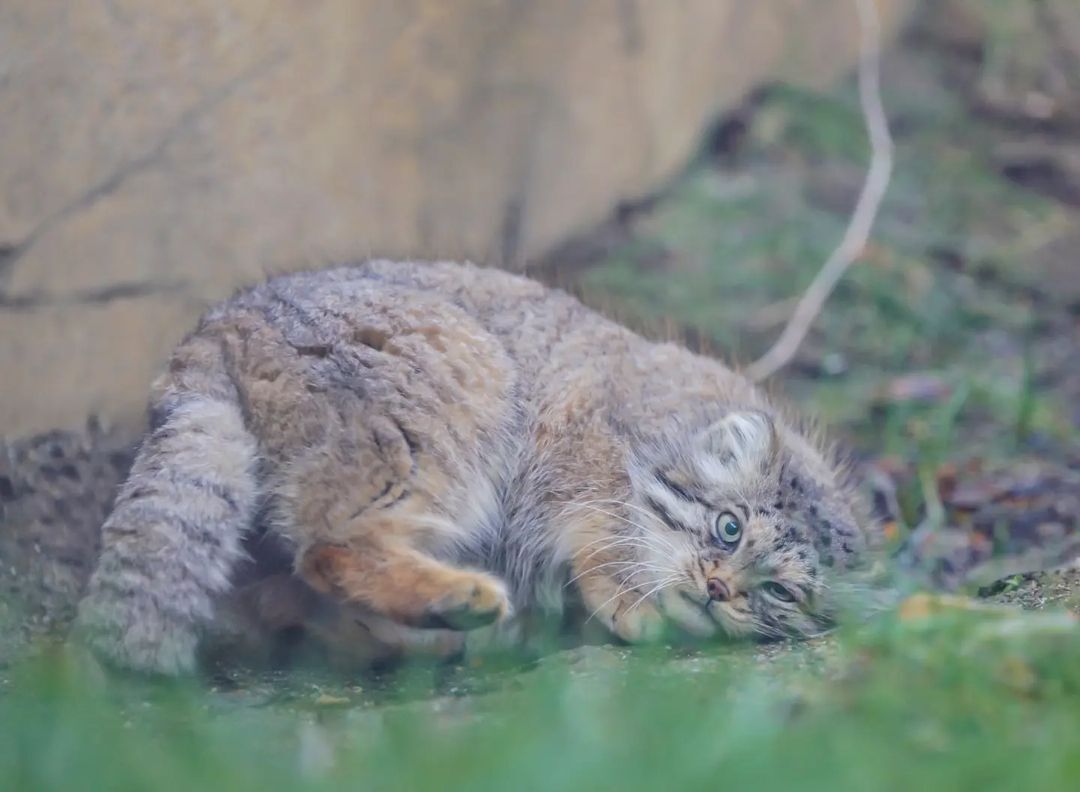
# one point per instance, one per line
(500, 434)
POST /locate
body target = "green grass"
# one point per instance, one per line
(958, 700)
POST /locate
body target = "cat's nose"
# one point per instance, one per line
(718, 590)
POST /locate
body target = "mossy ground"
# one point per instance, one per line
(954, 700)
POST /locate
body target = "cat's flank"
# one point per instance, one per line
(446, 446)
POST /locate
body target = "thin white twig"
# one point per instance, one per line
(862, 220)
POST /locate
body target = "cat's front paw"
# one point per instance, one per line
(637, 621)
(473, 600)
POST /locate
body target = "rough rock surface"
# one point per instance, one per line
(154, 156)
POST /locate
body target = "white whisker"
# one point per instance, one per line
(652, 531)
(627, 520)
(613, 538)
(645, 530)
(635, 564)
(622, 542)
(623, 588)
(665, 583)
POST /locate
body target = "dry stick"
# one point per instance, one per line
(866, 209)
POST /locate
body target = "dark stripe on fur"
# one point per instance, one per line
(665, 515)
(680, 491)
(148, 512)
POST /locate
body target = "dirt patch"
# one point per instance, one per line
(55, 491)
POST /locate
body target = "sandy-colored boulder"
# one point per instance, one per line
(154, 156)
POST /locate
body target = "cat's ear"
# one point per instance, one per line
(741, 438)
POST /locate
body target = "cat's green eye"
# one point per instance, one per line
(727, 528)
(778, 591)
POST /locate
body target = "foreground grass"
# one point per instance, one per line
(954, 700)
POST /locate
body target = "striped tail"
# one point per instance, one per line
(176, 529)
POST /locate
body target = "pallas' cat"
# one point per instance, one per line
(447, 446)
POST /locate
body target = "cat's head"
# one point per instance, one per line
(743, 523)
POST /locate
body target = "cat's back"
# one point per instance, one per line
(507, 333)
(498, 300)
(531, 324)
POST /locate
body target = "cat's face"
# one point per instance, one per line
(739, 528)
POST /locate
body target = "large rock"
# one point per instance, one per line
(153, 156)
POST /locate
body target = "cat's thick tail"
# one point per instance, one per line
(177, 525)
